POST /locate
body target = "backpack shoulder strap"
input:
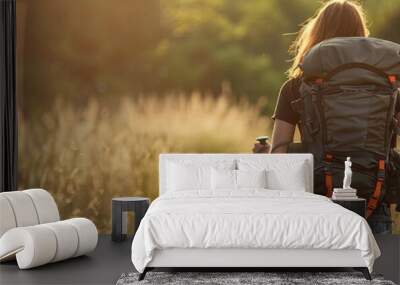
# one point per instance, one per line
(376, 195)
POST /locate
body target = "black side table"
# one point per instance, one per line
(357, 205)
(120, 207)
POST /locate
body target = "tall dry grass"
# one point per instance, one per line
(85, 155)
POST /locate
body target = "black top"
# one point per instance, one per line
(283, 110)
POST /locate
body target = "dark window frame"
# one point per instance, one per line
(8, 101)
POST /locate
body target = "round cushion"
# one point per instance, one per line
(33, 246)
(40, 244)
(67, 240)
(87, 233)
(7, 220)
(46, 207)
(23, 208)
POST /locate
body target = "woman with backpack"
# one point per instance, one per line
(336, 18)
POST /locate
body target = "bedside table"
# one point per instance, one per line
(357, 205)
(120, 207)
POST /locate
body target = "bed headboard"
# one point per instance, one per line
(165, 158)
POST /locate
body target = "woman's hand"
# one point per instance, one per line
(261, 148)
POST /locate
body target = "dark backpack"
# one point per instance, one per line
(347, 106)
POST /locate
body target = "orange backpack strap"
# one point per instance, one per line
(374, 200)
(328, 176)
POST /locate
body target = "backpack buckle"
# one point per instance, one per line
(380, 175)
(393, 80)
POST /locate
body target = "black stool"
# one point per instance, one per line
(120, 207)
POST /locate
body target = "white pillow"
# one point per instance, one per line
(251, 178)
(283, 174)
(186, 174)
(290, 179)
(223, 179)
(226, 179)
(188, 177)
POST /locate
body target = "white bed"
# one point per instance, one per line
(248, 227)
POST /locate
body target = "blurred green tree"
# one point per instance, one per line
(390, 30)
(208, 42)
(97, 48)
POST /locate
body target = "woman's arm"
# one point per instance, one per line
(282, 136)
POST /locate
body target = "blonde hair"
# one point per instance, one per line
(336, 18)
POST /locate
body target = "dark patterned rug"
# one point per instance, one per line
(232, 278)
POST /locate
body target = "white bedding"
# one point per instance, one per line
(250, 219)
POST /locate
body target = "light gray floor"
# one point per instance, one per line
(111, 259)
(103, 266)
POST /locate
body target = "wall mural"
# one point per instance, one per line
(104, 87)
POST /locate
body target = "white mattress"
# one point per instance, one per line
(253, 219)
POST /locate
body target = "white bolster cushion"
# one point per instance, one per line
(87, 234)
(26, 208)
(46, 207)
(33, 246)
(7, 219)
(66, 238)
(24, 211)
(37, 245)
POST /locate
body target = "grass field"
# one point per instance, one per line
(86, 154)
